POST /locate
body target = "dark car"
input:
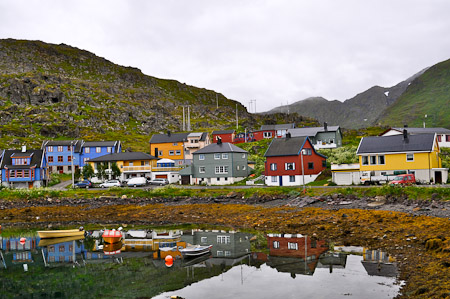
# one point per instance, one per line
(83, 184)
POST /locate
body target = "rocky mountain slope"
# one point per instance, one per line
(364, 110)
(52, 91)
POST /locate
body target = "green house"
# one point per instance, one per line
(217, 164)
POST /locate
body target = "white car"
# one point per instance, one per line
(158, 181)
(110, 183)
(137, 182)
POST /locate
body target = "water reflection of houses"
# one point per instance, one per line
(58, 251)
(379, 263)
(332, 260)
(294, 253)
(13, 252)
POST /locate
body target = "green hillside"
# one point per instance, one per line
(428, 94)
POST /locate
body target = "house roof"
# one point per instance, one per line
(277, 127)
(396, 143)
(125, 156)
(225, 147)
(223, 132)
(100, 143)
(285, 146)
(36, 158)
(422, 130)
(311, 132)
(201, 135)
(76, 144)
(168, 138)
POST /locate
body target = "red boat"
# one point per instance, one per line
(112, 236)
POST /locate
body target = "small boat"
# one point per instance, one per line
(60, 233)
(195, 250)
(112, 236)
(53, 241)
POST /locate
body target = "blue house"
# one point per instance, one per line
(24, 169)
(62, 154)
(94, 149)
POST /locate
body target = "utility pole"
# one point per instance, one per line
(217, 102)
(237, 120)
(71, 163)
(184, 121)
(188, 119)
(303, 170)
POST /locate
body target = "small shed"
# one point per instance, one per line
(345, 174)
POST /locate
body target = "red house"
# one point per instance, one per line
(292, 161)
(272, 131)
(226, 136)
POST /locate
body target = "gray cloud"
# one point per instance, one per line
(270, 51)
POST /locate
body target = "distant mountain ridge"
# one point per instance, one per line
(373, 106)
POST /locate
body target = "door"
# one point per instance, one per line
(438, 177)
(161, 176)
(281, 180)
(185, 180)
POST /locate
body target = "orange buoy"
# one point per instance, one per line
(169, 260)
(22, 240)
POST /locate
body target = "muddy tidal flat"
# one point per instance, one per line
(416, 233)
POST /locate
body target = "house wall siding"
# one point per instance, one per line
(398, 162)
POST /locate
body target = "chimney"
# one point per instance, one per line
(288, 135)
(325, 126)
(219, 140)
(24, 148)
(168, 133)
(405, 134)
(405, 126)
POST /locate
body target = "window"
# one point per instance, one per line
(98, 149)
(201, 157)
(381, 160)
(171, 153)
(289, 166)
(274, 179)
(373, 160)
(87, 150)
(61, 248)
(60, 148)
(243, 167)
(439, 138)
(26, 173)
(50, 159)
(175, 143)
(273, 166)
(243, 156)
(293, 246)
(12, 173)
(227, 253)
(219, 252)
(276, 244)
(50, 149)
(267, 134)
(216, 156)
(310, 165)
(60, 159)
(237, 167)
(324, 163)
(204, 239)
(221, 169)
(292, 178)
(307, 152)
(223, 240)
(447, 138)
(365, 160)
(109, 149)
(202, 169)
(85, 160)
(69, 159)
(160, 153)
(178, 152)
(224, 156)
(409, 157)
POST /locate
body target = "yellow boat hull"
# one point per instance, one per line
(60, 233)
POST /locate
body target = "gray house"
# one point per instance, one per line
(321, 137)
(217, 164)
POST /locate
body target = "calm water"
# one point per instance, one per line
(240, 265)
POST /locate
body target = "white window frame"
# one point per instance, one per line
(225, 156)
(267, 134)
(273, 166)
(292, 179)
(286, 166)
(201, 157)
(202, 169)
(384, 160)
(160, 153)
(274, 179)
(409, 160)
(222, 169)
(178, 152)
(204, 239)
(98, 149)
(109, 149)
(292, 246)
(87, 150)
(221, 239)
(373, 158)
(171, 153)
(60, 148)
(50, 149)
(243, 156)
(365, 160)
(217, 156)
(276, 244)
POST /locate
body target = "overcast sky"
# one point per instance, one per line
(273, 52)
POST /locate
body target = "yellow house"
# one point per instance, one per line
(177, 146)
(131, 164)
(405, 153)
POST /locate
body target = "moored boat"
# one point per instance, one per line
(53, 241)
(60, 233)
(112, 235)
(195, 250)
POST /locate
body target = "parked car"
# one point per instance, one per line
(404, 179)
(83, 184)
(160, 182)
(110, 183)
(135, 182)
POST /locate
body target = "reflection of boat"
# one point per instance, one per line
(196, 260)
(136, 240)
(112, 248)
(195, 250)
(112, 236)
(60, 233)
(53, 241)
